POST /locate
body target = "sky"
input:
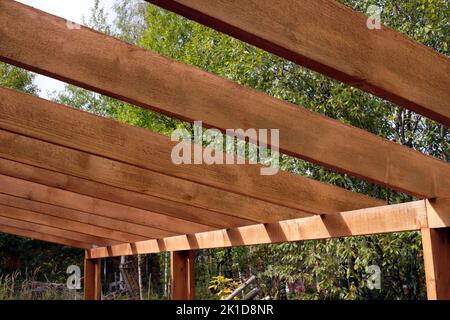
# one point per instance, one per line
(72, 10)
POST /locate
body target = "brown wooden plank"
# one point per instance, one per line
(87, 166)
(182, 275)
(332, 39)
(108, 228)
(144, 222)
(44, 237)
(92, 279)
(43, 229)
(83, 131)
(436, 253)
(103, 236)
(117, 195)
(91, 60)
(393, 218)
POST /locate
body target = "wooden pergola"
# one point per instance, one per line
(76, 179)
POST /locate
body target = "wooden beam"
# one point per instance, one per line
(44, 237)
(92, 279)
(139, 147)
(51, 231)
(96, 235)
(70, 219)
(393, 218)
(332, 39)
(117, 217)
(90, 60)
(436, 254)
(182, 275)
(112, 194)
(109, 228)
(103, 170)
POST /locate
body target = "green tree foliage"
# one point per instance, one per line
(16, 78)
(223, 287)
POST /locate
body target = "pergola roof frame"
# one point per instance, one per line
(76, 179)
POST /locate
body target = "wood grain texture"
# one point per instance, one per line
(393, 218)
(330, 38)
(51, 231)
(92, 279)
(47, 121)
(97, 235)
(438, 212)
(143, 222)
(44, 237)
(436, 254)
(93, 61)
(87, 223)
(121, 196)
(68, 161)
(182, 275)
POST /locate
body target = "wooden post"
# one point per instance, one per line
(182, 271)
(92, 279)
(436, 253)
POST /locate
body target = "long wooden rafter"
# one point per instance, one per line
(118, 217)
(96, 235)
(109, 193)
(92, 60)
(72, 162)
(392, 218)
(145, 160)
(44, 237)
(52, 231)
(331, 38)
(119, 230)
(55, 221)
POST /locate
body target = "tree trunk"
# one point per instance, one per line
(139, 267)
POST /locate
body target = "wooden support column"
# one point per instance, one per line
(182, 271)
(436, 253)
(92, 279)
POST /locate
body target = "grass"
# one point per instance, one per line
(14, 286)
